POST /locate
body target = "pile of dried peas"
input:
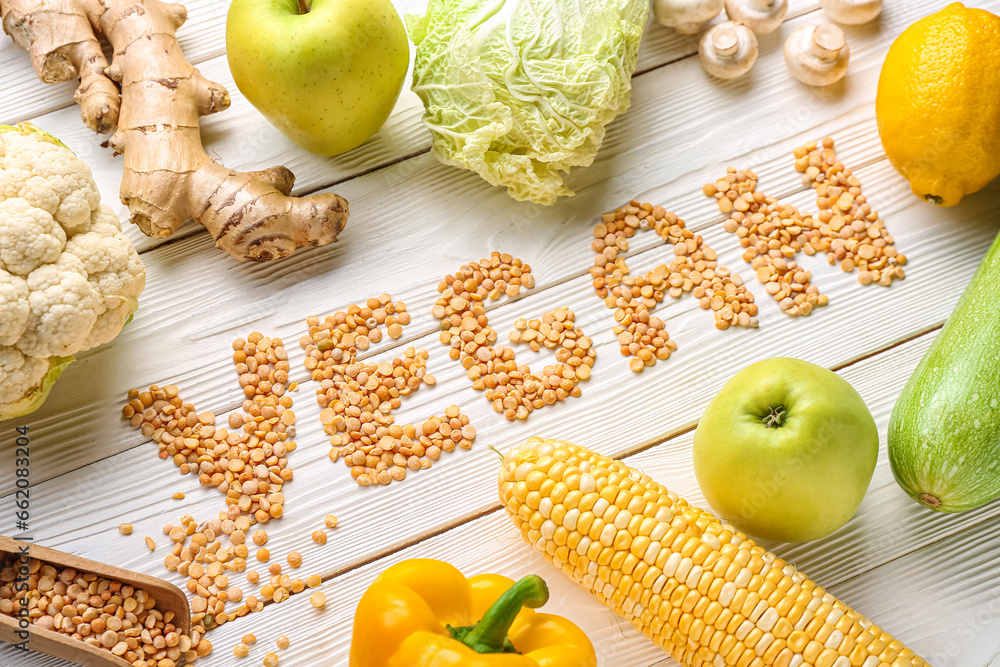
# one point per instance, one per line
(855, 236)
(358, 397)
(104, 613)
(694, 269)
(198, 553)
(847, 229)
(250, 467)
(513, 389)
(557, 330)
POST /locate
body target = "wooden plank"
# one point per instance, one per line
(402, 173)
(953, 580)
(457, 187)
(133, 484)
(174, 331)
(409, 243)
(242, 139)
(887, 525)
(950, 615)
(662, 45)
(889, 545)
(25, 96)
(203, 38)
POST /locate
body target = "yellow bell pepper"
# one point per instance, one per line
(425, 613)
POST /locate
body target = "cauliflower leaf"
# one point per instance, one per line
(38, 375)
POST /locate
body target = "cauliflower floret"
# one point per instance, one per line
(29, 237)
(64, 307)
(69, 279)
(13, 177)
(103, 219)
(114, 270)
(13, 307)
(18, 373)
(49, 177)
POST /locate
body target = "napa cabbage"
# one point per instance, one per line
(520, 91)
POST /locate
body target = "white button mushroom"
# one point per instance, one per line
(687, 17)
(852, 12)
(817, 54)
(728, 50)
(761, 16)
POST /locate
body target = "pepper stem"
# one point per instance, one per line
(489, 635)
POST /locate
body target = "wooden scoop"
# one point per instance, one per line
(168, 598)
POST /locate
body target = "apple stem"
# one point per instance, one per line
(775, 417)
(303, 7)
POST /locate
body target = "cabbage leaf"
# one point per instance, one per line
(520, 91)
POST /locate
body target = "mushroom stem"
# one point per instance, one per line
(827, 42)
(728, 50)
(817, 54)
(725, 42)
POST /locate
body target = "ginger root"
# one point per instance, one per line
(168, 177)
(64, 47)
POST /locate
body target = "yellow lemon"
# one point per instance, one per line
(938, 103)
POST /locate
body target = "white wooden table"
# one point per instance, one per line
(929, 578)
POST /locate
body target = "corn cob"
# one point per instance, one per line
(699, 589)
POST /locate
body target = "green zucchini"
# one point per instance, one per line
(944, 434)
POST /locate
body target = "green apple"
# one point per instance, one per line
(325, 73)
(786, 450)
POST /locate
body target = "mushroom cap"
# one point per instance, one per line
(817, 55)
(686, 16)
(728, 50)
(761, 16)
(852, 12)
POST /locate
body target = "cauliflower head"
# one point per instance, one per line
(69, 278)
